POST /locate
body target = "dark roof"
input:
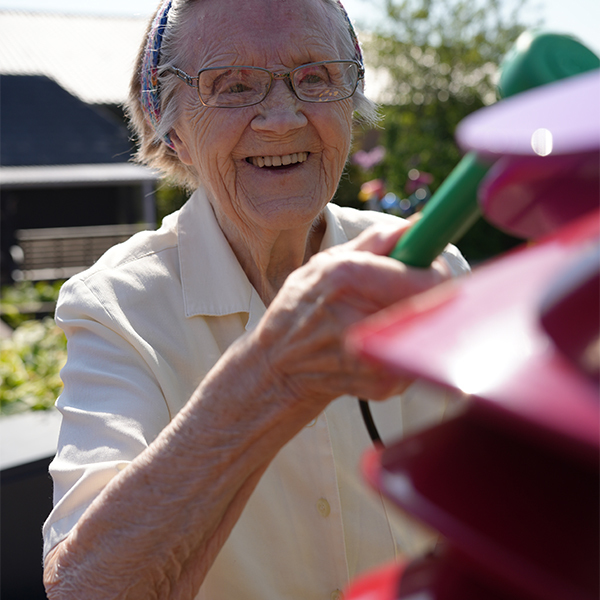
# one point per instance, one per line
(42, 124)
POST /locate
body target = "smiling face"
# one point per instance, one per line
(274, 165)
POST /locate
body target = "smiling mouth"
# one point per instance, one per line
(278, 161)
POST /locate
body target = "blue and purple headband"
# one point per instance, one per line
(149, 75)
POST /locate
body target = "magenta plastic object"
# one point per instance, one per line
(557, 119)
(382, 583)
(547, 141)
(522, 516)
(482, 336)
(530, 197)
(439, 576)
(512, 482)
(570, 313)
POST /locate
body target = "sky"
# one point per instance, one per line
(577, 17)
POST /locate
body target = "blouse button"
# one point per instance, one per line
(312, 423)
(323, 507)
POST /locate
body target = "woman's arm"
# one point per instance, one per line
(155, 529)
(157, 526)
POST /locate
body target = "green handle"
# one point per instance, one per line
(536, 59)
(447, 215)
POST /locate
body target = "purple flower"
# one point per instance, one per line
(367, 160)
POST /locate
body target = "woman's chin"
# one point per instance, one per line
(282, 197)
(282, 213)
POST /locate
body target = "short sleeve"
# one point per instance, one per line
(112, 406)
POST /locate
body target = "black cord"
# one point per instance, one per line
(369, 422)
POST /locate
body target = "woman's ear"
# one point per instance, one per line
(180, 147)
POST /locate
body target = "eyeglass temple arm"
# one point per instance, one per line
(191, 81)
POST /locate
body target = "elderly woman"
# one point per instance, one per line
(211, 434)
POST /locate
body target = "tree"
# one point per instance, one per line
(439, 60)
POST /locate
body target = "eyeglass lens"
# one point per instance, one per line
(317, 82)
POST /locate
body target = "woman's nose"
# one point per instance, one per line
(280, 112)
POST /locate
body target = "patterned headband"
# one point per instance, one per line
(149, 76)
(357, 51)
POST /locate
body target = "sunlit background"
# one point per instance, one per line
(577, 17)
(64, 79)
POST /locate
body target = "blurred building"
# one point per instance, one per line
(67, 187)
(68, 191)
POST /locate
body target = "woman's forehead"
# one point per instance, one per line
(255, 31)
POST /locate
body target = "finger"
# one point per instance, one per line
(378, 281)
(378, 239)
(412, 219)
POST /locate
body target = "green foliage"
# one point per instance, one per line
(440, 61)
(483, 241)
(28, 295)
(31, 359)
(349, 187)
(169, 198)
(421, 137)
(28, 291)
(30, 362)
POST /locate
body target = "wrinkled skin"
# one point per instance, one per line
(267, 214)
(173, 516)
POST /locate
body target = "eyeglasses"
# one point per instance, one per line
(234, 87)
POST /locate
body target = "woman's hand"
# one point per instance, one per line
(302, 334)
(157, 526)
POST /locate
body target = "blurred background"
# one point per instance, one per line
(580, 17)
(69, 190)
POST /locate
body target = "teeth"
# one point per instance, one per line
(278, 161)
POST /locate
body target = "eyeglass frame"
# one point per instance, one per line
(189, 80)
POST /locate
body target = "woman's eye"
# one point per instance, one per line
(237, 88)
(312, 78)
(231, 82)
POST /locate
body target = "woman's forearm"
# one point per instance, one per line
(157, 527)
